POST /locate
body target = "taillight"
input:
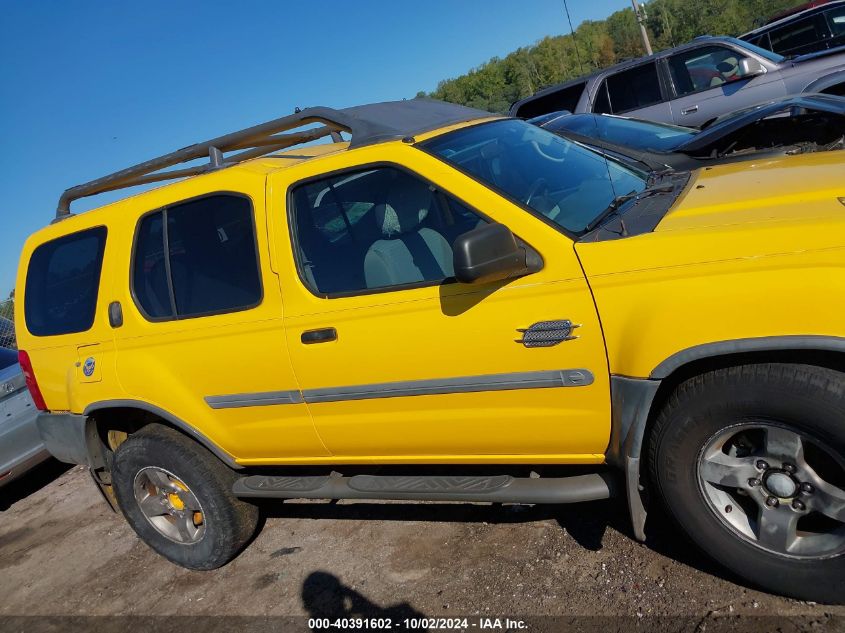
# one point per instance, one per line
(31, 383)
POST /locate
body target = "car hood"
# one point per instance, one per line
(828, 53)
(765, 191)
(730, 123)
(821, 62)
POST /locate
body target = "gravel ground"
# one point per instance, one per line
(63, 553)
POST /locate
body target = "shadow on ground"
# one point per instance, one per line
(587, 523)
(325, 596)
(33, 481)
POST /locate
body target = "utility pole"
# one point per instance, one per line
(639, 12)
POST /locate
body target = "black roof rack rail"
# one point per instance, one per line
(366, 124)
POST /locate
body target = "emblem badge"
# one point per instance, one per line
(88, 367)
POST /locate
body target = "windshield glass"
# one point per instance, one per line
(762, 52)
(642, 135)
(561, 180)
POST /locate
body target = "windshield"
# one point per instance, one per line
(561, 180)
(762, 52)
(642, 135)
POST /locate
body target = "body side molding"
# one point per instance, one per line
(467, 384)
(427, 387)
(254, 399)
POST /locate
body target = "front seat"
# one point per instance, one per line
(407, 253)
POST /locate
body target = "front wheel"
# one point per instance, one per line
(178, 498)
(750, 461)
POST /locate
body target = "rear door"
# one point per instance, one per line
(707, 83)
(201, 337)
(397, 362)
(637, 91)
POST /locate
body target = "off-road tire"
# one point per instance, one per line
(229, 522)
(807, 398)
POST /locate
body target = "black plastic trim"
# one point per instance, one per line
(745, 345)
(167, 416)
(238, 400)
(501, 488)
(465, 384)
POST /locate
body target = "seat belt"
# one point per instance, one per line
(422, 256)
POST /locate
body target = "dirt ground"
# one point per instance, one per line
(63, 553)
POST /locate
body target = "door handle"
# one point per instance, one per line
(690, 110)
(323, 335)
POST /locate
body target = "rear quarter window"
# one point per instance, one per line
(62, 283)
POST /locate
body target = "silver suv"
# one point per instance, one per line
(693, 83)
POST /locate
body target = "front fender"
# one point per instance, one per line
(826, 81)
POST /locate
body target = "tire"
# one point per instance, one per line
(729, 510)
(158, 467)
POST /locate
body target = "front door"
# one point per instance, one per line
(708, 83)
(398, 362)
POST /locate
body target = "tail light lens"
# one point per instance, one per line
(31, 382)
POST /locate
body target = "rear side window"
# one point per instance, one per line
(800, 36)
(197, 258)
(62, 283)
(563, 99)
(631, 89)
(836, 21)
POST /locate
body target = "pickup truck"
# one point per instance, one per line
(693, 83)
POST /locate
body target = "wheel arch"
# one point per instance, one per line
(130, 415)
(637, 401)
(835, 80)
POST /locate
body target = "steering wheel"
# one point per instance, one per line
(534, 188)
(557, 159)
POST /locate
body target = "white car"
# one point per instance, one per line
(21, 447)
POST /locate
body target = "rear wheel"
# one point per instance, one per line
(178, 499)
(750, 461)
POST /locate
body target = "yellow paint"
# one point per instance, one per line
(749, 250)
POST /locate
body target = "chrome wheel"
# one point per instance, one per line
(169, 505)
(777, 487)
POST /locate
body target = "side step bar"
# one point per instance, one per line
(495, 488)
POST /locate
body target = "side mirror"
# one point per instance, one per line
(750, 67)
(490, 253)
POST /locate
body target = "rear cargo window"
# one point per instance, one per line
(62, 283)
(204, 263)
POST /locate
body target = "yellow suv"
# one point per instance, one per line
(443, 304)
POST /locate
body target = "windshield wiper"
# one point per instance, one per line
(613, 208)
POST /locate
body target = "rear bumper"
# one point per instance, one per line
(65, 436)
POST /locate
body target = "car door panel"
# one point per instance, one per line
(227, 373)
(707, 92)
(437, 373)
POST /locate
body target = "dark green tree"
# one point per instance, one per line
(497, 83)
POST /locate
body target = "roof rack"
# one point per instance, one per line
(367, 124)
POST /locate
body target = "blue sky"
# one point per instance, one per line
(87, 87)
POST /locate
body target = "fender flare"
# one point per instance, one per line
(825, 81)
(177, 422)
(632, 401)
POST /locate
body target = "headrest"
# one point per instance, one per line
(728, 66)
(404, 210)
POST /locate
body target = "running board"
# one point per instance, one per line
(496, 488)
